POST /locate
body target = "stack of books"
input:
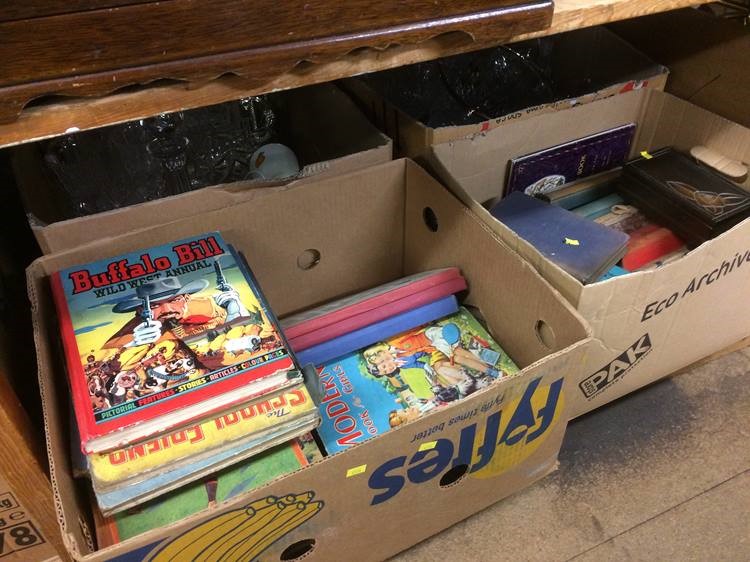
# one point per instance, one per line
(179, 373)
(614, 223)
(389, 355)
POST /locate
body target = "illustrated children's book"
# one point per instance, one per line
(162, 337)
(209, 493)
(269, 415)
(170, 478)
(384, 385)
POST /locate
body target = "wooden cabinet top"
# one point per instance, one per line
(207, 60)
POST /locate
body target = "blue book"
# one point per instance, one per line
(324, 352)
(583, 248)
(398, 379)
(598, 207)
(616, 271)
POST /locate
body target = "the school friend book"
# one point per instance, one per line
(208, 493)
(389, 383)
(162, 337)
(268, 416)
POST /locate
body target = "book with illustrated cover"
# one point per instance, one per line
(549, 169)
(187, 445)
(162, 337)
(208, 493)
(169, 478)
(389, 383)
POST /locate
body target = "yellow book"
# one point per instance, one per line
(266, 416)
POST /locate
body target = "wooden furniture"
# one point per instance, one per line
(55, 117)
(25, 487)
(96, 51)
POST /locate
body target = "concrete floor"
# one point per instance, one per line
(662, 474)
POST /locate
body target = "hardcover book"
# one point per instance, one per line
(598, 207)
(692, 200)
(162, 337)
(582, 247)
(352, 341)
(391, 382)
(582, 191)
(189, 444)
(342, 316)
(209, 493)
(549, 169)
(649, 244)
(159, 482)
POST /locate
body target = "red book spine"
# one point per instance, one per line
(369, 301)
(645, 247)
(76, 376)
(386, 310)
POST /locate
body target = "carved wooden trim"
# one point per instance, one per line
(65, 55)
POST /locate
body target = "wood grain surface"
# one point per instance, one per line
(96, 52)
(23, 464)
(52, 119)
(23, 9)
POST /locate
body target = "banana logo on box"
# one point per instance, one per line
(241, 534)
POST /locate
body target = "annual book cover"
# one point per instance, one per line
(196, 441)
(391, 382)
(159, 482)
(208, 493)
(161, 337)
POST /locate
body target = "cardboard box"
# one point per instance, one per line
(648, 324)
(20, 536)
(594, 52)
(326, 130)
(388, 493)
(707, 58)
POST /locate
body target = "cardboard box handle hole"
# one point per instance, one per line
(297, 550)
(454, 476)
(430, 219)
(308, 259)
(545, 334)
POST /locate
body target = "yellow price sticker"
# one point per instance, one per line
(646, 155)
(572, 242)
(427, 446)
(356, 470)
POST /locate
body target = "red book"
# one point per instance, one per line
(649, 243)
(366, 304)
(162, 337)
(373, 311)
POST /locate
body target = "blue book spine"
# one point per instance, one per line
(326, 351)
(616, 271)
(598, 208)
